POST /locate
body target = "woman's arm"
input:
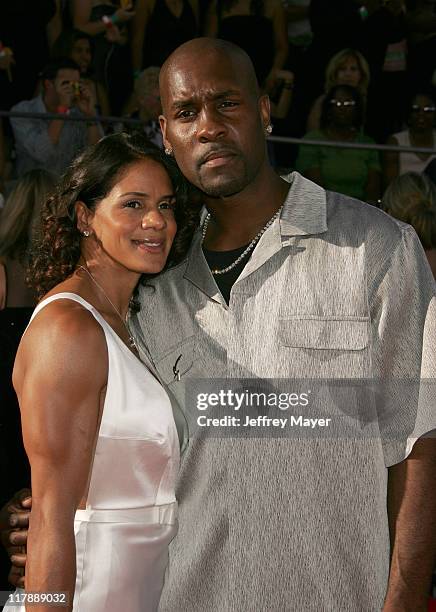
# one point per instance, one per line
(81, 12)
(211, 24)
(281, 46)
(280, 109)
(143, 11)
(59, 395)
(54, 26)
(314, 119)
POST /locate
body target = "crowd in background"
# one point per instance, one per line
(380, 53)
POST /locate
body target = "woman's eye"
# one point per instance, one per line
(167, 205)
(133, 204)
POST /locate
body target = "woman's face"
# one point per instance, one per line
(422, 114)
(81, 54)
(349, 72)
(342, 109)
(134, 224)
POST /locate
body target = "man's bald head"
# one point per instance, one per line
(198, 50)
(214, 119)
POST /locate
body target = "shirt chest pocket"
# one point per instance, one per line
(321, 347)
(177, 362)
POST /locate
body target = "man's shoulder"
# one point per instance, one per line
(27, 105)
(359, 219)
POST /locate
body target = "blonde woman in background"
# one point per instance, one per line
(348, 67)
(411, 197)
(144, 104)
(19, 221)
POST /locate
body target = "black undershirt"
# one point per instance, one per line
(222, 259)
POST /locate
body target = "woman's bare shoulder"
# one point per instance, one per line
(64, 334)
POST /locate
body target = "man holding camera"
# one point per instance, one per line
(42, 143)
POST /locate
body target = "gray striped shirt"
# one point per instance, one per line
(334, 290)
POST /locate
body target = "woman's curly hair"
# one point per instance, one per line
(89, 179)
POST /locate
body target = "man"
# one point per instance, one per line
(332, 290)
(53, 144)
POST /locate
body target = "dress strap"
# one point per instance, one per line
(66, 295)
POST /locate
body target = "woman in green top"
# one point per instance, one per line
(354, 172)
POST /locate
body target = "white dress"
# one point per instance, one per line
(123, 535)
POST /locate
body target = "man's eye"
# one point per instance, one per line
(186, 114)
(228, 104)
(133, 204)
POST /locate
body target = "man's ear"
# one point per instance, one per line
(163, 128)
(265, 110)
(48, 84)
(84, 216)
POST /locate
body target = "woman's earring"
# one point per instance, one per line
(268, 129)
(168, 151)
(86, 233)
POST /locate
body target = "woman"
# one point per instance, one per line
(97, 425)
(420, 133)
(411, 197)
(106, 22)
(78, 47)
(353, 172)
(348, 67)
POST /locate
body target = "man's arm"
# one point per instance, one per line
(87, 104)
(412, 522)
(14, 520)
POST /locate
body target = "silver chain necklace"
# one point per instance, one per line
(132, 342)
(249, 248)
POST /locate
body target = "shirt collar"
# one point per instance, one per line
(304, 209)
(304, 213)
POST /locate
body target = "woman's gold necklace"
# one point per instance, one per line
(132, 342)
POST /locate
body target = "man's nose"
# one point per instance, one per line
(211, 125)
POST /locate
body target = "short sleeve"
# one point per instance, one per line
(403, 316)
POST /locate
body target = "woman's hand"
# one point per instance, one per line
(122, 15)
